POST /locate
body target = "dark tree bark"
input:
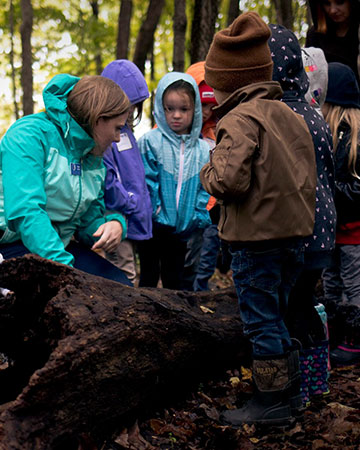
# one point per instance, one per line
(12, 65)
(233, 11)
(179, 26)
(98, 60)
(284, 13)
(308, 14)
(84, 353)
(145, 37)
(203, 28)
(152, 93)
(123, 36)
(26, 70)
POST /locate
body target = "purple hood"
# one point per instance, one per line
(128, 76)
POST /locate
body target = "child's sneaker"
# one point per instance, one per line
(345, 355)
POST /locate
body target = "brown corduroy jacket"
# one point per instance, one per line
(262, 168)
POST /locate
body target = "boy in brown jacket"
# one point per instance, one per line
(263, 172)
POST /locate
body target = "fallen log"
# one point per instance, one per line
(81, 352)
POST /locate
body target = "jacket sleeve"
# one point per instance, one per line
(228, 174)
(347, 186)
(201, 213)
(349, 191)
(150, 161)
(94, 217)
(116, 196)
(23, 161)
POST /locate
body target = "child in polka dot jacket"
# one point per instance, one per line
(303, 321)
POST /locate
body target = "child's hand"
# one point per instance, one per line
(110, 236)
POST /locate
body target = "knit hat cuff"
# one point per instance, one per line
(229, 80)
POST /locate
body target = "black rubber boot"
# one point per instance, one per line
(270, 404)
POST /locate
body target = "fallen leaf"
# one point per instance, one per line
(234, 381)
(206, 310)
(123, 439)
(246, 374)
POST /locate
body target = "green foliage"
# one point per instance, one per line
(67, 37)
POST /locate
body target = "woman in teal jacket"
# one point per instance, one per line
(52, 176)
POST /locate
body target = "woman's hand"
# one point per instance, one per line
(110, 236)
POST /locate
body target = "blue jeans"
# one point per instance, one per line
(208, 258)
(85, 260)
(264, 273)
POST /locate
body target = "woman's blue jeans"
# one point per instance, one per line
(264, 273)
(85, 260)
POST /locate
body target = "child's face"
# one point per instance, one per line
(179, 111)
(206, 111)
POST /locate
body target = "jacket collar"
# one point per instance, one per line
(267, 90)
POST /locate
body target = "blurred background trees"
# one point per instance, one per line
(40, 38)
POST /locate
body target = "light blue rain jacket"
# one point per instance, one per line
(172, 166)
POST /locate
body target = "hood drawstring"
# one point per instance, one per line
(67, 130)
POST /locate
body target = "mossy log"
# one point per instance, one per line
(82, 353)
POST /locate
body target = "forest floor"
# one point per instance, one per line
(330, 422)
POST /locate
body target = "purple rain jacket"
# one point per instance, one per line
(125, 187)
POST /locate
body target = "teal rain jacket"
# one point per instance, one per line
(172, 165)
(51, 187)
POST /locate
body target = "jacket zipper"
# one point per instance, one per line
(181, 173)
(80, 192)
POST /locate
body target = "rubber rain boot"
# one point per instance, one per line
(296, 399)
(270, 404)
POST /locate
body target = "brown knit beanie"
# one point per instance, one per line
(239, 55)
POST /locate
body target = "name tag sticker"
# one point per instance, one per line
(76, 169)
(124, 143)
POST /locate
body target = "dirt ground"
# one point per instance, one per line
(330, 422)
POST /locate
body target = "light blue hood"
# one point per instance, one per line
(172, 165)
(159, 112)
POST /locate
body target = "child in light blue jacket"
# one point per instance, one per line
(173, 155)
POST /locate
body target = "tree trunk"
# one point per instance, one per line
(145, 37)
(308, 14)
(123, 36)
(202, 29)
(26, 69)
(179, 25)
(233, 11)
(12, 54)
(83, 353)
(284, 13)
(98, 60)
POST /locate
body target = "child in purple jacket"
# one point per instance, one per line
(125, 186)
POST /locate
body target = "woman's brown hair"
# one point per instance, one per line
(321, 19)
(94, 97)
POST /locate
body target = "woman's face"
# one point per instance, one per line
(107, 131)
(337, 10)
